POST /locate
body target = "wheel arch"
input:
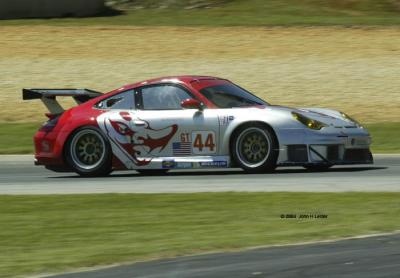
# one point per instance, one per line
(71, 132)
(103, 168)
(234, 130)
(72, 120)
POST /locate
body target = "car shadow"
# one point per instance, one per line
(225, 172)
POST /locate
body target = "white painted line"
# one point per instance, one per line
(325, 241)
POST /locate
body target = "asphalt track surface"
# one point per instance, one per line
(18, 175)
(368, 257)
(356, 258)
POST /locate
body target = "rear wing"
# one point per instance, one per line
(48, 97)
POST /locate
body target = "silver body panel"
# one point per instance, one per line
(191, 138)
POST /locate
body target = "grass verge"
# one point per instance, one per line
(16, 138)
(385, 137)
(242, 13)
(56, 233)
(353, 70)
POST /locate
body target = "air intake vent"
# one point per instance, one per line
(333, 153)
(297, 153)
(358, 155)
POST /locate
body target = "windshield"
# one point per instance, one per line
(230, 96)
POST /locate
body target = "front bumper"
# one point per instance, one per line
(304, 155)
(319, 148)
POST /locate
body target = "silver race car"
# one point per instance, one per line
(187, 122)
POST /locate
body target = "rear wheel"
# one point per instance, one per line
(89, 153)
(255, 148)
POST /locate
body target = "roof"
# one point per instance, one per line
(181, 78)
(178, 79)
(186, 79)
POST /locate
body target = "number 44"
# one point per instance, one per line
(203, 142)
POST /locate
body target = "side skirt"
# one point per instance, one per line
(192, 162)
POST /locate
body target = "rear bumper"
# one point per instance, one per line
(48, 150)
(45, 160)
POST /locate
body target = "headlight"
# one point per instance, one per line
(347, 117)
(313, 124)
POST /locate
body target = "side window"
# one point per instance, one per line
(163, 97)
(125, 101)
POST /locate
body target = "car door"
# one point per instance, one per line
(171, 131)
(117, 121)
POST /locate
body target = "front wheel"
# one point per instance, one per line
(89, 153)
(255, 149)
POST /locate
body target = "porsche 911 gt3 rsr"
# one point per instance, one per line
(188, 122)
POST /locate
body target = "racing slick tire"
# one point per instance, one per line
(153, 172)
(88, 152)
(255, 148)
(317, 168)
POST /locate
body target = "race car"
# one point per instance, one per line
(190, 122)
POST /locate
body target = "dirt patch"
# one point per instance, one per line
(353, 70)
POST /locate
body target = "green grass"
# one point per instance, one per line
(244, 13)
(57, 233)
(16, 138)
(385, 137)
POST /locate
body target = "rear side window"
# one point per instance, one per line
(124, 101)
(163, 97)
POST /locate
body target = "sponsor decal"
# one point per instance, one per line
(172, 164)
(225, 120)
(168, 164)
(184, 165)
(213, 164)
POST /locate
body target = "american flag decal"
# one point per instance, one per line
(181, 148)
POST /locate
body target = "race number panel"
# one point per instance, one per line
(204, 142)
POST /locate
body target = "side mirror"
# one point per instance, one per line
(192, 103)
